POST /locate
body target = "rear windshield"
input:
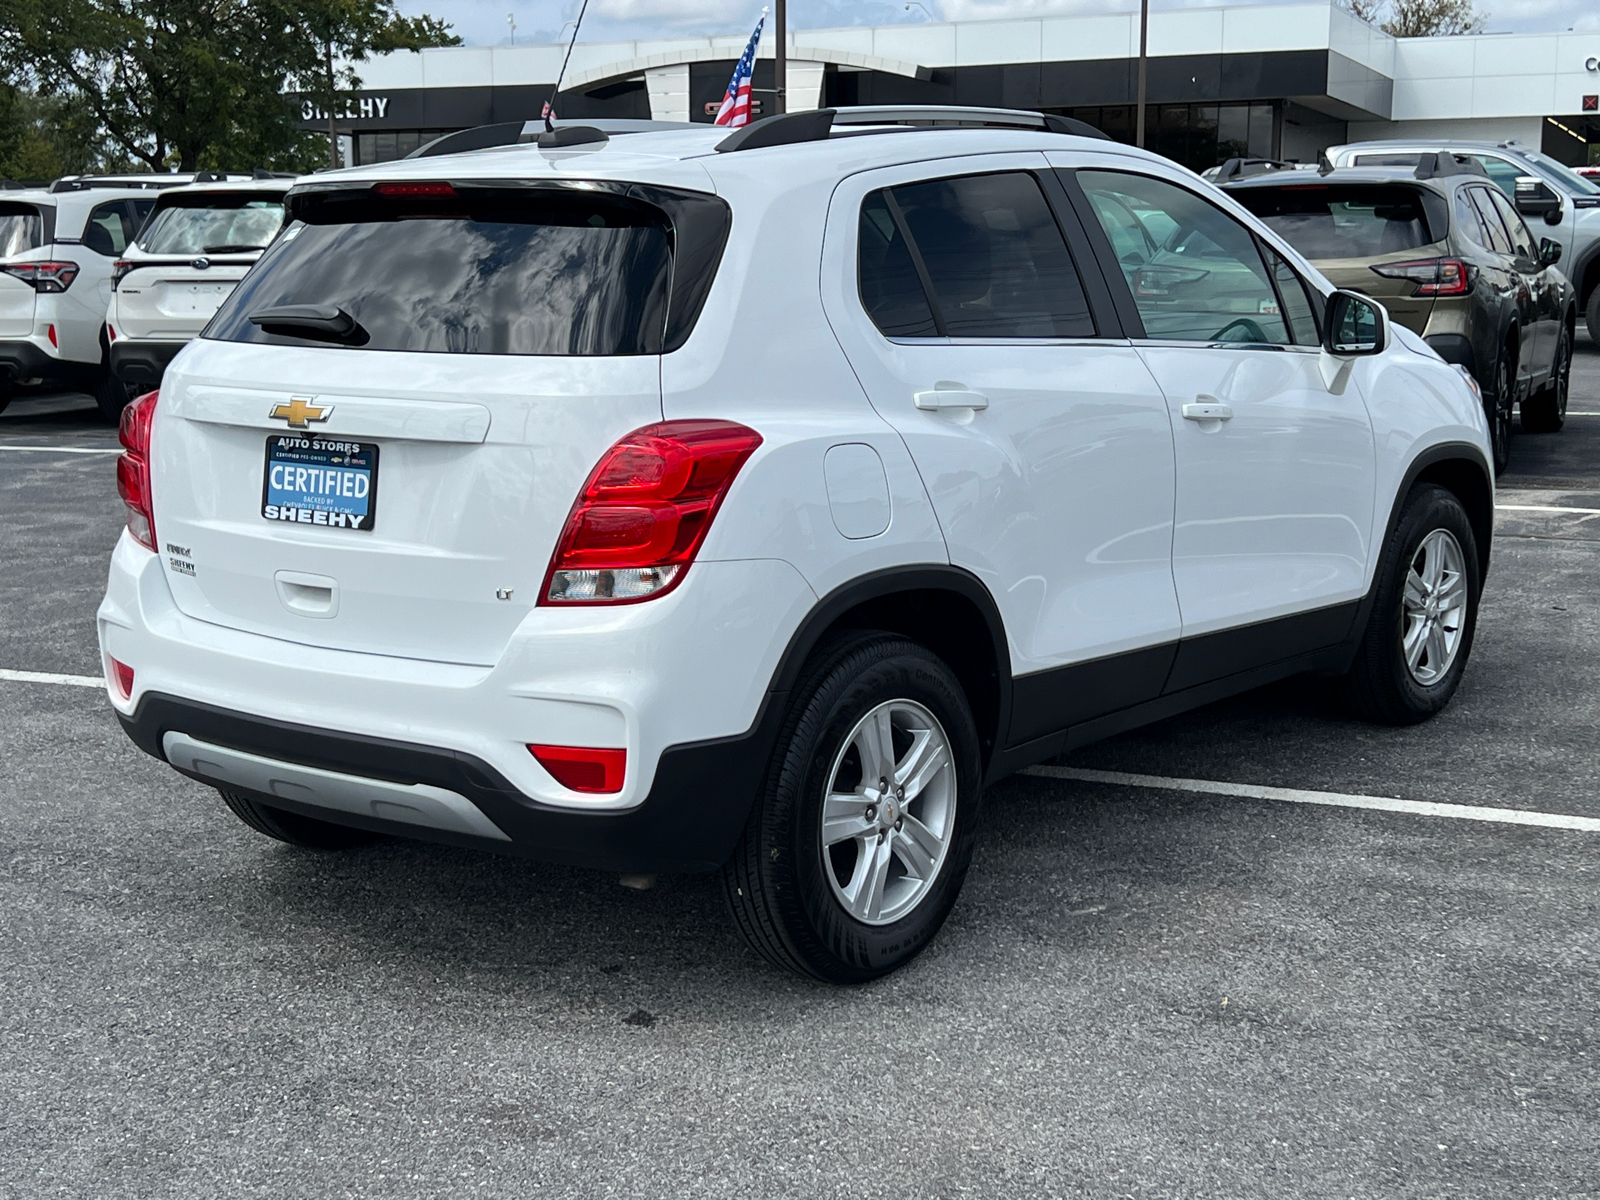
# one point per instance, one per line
(503, 272)
(213, 225)
(21, 228)
(1345, 220)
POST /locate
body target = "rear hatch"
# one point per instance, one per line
(191, 253)
(22, 233)
(1348, 229)
(399, 487)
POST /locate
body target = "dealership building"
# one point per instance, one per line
(1278, 81)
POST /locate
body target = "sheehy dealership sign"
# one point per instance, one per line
(364, 109)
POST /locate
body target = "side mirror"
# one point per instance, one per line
(1353, 325)
(1549, 252)
(1536, 198)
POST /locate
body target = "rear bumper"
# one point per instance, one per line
(698, 733)
(21, 360)
(140, 365)
(1454, 348)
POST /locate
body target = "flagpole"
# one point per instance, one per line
(780, 68)
(1144, 57)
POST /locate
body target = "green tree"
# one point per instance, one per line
(1419, 18)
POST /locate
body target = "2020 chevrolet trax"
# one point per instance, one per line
(684, 501)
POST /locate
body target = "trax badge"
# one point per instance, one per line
(299, 413)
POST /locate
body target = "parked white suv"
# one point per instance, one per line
(746, 503)
(197, 243)
(57, 247)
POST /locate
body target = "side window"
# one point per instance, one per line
(891, 290)
(1499, 240)
(990, 253)
(1206, 281)
(1502, 174)
(109, 228)
(1522, 243)
(1468, 221)
(141, 214)
(1299, 301)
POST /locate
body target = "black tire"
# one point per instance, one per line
(776, 883)
(1546, 410)
(1498, 396)
(110, 396)
(297, 830)
(1591, 315)
(1381, 685)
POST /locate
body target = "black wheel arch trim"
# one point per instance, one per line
(1482, 524)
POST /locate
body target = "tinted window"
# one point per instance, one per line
(1299, 301)
(1342, 221)
(891, 290)
(994, 256)
(1483, 199)
(221, 225)
(110, 228)
(20, 229)
(497, 273)
(1468, 222)
(1522, 243)
(1203, 282)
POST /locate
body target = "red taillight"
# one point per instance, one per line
(121, 678)
(44, 276)
(133, 468)
(1433, 276)
(644, 512)
(582, 768)
(414, 189)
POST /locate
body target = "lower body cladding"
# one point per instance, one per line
(440, 751)
(139, 365)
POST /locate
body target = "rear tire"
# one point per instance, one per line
(1419, 634)
(297, 830)
(838, 876)
(1591, 316)
(1546, 410)
(1498, 397)
(110, 396)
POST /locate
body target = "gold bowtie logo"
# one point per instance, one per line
(298, 413)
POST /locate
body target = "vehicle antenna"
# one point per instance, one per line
(550, 105)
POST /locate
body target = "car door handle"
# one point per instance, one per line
(949, 397)
(1208, 410)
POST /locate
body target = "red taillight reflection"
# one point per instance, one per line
(583, 768)
(133, 468)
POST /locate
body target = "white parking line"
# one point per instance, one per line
(93, 681)
(61, 449)
(1419, 808)
(1545, 508)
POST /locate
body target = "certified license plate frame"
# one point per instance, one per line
(303, 450)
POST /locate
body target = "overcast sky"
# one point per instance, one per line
(483, 22)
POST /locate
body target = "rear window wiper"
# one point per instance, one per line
(321, 322)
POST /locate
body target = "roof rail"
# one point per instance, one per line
(817, 125)
(1442, 163)
(1244, 168)
(83, 183)
(511, 133)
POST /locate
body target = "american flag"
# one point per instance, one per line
(735, 110)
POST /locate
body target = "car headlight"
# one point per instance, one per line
(1477, 392)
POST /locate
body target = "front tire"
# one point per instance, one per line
(1420, 631)
(860, 841)
(1546, 411)
(305, 832)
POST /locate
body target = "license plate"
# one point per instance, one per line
(319, 481)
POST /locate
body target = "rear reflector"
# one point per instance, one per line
(50, 332)
(121, 678)
(414, 189)
(582, 768)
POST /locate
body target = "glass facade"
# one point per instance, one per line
(386, 147)
(1196, 135)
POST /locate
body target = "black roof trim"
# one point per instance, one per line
(817, 125)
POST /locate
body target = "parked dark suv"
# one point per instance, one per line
(1449, 257)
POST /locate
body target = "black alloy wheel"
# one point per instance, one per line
(1498, 398)
(1546, 411)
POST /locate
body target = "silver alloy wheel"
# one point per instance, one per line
(889, 812)
(1435, 607)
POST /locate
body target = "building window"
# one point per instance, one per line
(390, 145)
(1196, 135)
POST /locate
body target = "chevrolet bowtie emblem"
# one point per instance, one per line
(298, 413)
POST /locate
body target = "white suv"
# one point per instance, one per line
(196, 244)
(746, 503)
(57, 248)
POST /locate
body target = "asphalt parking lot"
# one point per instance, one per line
(1144, 992)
